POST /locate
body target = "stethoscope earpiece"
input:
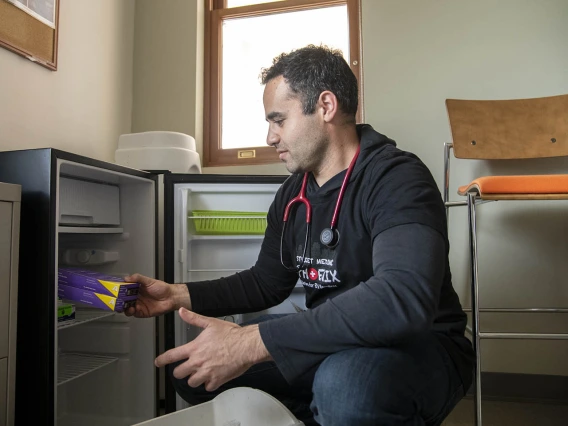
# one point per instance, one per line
(329, 237)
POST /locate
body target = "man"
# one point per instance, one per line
(382, 341)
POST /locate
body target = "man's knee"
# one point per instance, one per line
(410, 385)
(350, 383)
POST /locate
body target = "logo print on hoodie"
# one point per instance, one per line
(313, 274)
(321, 271)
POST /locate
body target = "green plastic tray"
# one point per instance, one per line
(219, 222)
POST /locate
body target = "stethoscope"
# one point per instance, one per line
(329, 237)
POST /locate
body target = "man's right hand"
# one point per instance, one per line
(156, 297)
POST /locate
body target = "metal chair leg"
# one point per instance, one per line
(446, 193)
(475, 307)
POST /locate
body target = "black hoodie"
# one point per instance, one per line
(358, 294)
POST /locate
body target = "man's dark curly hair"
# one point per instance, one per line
(313, 69)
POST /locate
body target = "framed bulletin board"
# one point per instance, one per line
(29, 28)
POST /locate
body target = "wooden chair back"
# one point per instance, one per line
(509, 129)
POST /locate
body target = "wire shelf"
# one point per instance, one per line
(72, 366)
(83, 316)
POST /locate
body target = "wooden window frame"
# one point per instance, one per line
(215, 12)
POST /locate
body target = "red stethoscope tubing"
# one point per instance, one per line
(335, 217)
(301, 198)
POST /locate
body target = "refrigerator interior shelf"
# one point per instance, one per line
(71, 365)
(225, 237)
(88, 230)
(227, 217)
(83, 316)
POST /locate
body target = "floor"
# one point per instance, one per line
(503, 413)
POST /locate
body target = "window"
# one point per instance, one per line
(242, 37)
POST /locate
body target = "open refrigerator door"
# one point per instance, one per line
(104, 360)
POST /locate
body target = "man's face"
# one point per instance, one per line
(299, 139)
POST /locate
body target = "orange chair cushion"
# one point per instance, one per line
(528, 184)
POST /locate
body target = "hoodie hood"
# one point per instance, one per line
(372, 143)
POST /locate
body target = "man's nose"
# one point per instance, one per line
(272, 138)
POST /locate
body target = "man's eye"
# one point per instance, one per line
(279, 123)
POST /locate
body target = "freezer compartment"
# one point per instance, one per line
(109, 249)
(85, 203)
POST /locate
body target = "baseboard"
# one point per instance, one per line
(523, 387)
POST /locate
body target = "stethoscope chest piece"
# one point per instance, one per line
(329, 237)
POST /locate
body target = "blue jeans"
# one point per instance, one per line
(413, 384)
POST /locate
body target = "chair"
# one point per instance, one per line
(520, 129)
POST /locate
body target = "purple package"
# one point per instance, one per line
(96, 300)
(110, 285)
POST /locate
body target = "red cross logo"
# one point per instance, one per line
(313, 274)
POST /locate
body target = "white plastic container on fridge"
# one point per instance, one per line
(234, 407)
(158, 150)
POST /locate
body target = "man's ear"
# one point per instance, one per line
(328, 103)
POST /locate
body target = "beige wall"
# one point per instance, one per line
(418, 53)
(168, 74)
(86, 104)
(168, 45)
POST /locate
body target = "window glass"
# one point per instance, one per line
(244, 36)
(249, 44)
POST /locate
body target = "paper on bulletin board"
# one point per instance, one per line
(42, 10)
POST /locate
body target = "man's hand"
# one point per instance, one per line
(221, 352)
(156, 297)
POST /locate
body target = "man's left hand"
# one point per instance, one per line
(221, 352)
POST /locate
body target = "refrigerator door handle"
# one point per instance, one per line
(181, 255)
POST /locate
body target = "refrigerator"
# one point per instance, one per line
(98, 369)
